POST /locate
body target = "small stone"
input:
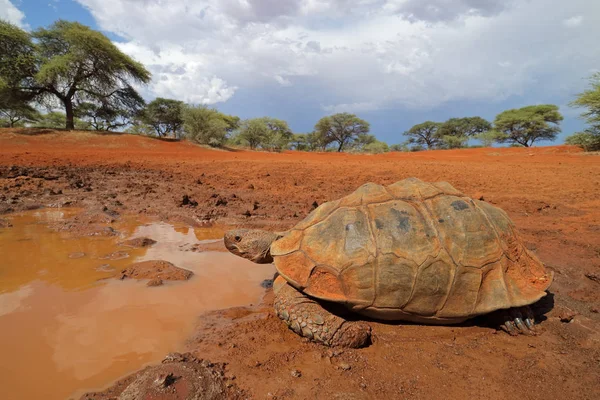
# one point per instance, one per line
(154, 282)
(345, 366)
(76, 255)
(363, 385)
(296, 373)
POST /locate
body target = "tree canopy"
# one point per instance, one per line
(529, 124)
(164, 116)
(425, 134)
(341, 128)
(205, 125)
(68, 62)
(590, 99)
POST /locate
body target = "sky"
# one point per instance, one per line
(394, 63)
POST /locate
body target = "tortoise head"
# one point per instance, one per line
(253, 244)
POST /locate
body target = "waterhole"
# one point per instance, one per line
(68, 326)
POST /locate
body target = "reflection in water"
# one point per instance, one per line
(62, 331)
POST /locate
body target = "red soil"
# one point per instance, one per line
(551, 193)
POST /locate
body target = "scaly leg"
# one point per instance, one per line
(308, 318)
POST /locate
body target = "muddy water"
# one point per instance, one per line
(65, 330)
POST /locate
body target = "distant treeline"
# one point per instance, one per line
(71, 66)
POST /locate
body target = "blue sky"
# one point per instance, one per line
(395, 63)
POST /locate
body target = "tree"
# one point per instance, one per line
(529, 124)
(341, 128)
(488, 138)
(103, 117)
(56, 120)
(206, 125)
(465, 127)
(68, 62)
(253, 132)
(590, 99)
(267, 133)
(453, 142)
(425, 134)
(399, 147)
(278, 135)
(299, 142)
(376, 147)
(18, 114)
(317, 141)
(164, 115)
(17, 66)
(588, 140)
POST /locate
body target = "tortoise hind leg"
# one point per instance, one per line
(519, 320)
(308, 318)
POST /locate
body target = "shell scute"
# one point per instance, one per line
(395, 281)
(341, 240)
(433, 283)
(400, 228)
(465, 231)
(413, 189)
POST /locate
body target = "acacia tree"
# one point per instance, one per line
(590, 99)
(529, 124)
(342, 128)
(253, 132)
(425, 134)
(17, 114)
(589, 139)
(164, 115)
(68, 62)
(206, 125)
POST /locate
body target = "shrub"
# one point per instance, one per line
(588, 141)
(376, 147)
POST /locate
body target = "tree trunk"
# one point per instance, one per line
(341, 147)
(70, 115)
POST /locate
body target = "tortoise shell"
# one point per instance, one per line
(411, 251)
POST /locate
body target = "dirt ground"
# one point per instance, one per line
(551, 193)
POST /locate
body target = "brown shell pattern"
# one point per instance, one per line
(411, 249)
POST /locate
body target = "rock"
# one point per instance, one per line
(4, 223)
(117, 255)
(296, 373)
(156, 270)
(567, 315)
(221, 201)
(267, 283)
(344, 366)
(593, 277)
(154, 283)
(187, 201)
(139, 242)
(76, 255)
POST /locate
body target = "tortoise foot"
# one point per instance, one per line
(309, 319)
(519, 321)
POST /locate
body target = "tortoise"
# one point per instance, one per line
(411, 251)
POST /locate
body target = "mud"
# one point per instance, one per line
(551, 193)
(155, 270)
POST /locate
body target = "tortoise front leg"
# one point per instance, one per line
(308, 318)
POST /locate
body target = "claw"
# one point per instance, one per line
(530, 324)
(509, 326)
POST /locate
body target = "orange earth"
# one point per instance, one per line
(551, 193)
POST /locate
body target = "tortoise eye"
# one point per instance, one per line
(237, 239)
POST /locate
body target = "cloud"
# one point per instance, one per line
(446, 10)
(357, 54)
(573, 21)
(9, 12)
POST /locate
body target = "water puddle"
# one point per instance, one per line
(65, 330)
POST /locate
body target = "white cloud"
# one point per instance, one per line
(9, 12)
(357, 54)
(573, 21)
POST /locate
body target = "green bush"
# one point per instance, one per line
(588, 141)
(376, 147)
